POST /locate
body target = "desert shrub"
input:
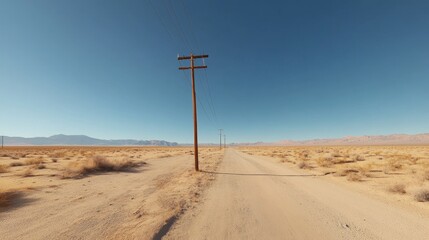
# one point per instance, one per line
(97, 164)
(393, 165)
(303, 165)
(28, 172)
(354, 177)
(34, 161)
(346, 172)
(397, 188)
(305, 154)
(336, 154)
(58, 154)
(413, 160)
(3, 168)
(54, 160)
(359, 158)
(16, 164)
(365, 169)
(40, 166)
(422, 196)
(324, 161)
(6, 197)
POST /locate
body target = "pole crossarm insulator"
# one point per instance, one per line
(192, 56)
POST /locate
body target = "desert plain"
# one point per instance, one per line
(97, 192)
(247, 192)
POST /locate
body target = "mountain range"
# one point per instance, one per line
(80, 140)
(393, 139)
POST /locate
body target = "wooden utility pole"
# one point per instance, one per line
(220, 138)
(194, 100)
(224, 141)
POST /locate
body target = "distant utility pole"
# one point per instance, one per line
(220, 138)
(224, 141)
(194, 101)
(2, 141)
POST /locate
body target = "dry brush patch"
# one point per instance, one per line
(4, 168)
(34, 161)
(28, 172)
(16, 164)
(422, 196)
(354, 177)
(397, 188)
(98, 163)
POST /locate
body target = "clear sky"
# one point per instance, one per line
(277, 69)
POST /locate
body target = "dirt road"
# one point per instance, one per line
(255, 198)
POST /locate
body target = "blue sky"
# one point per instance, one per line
(277, 70)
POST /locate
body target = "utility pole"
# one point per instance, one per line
(224, 141)
(194, 100)
(220, 138)
(2, 141)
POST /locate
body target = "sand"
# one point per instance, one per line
(133, 204)
(241, 193)
(258, 198)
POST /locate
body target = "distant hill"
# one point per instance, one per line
(80, 140)
(394, 139)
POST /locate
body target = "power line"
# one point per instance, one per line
(176, 20)
(169, 24)
(191, 24)
(210, 96)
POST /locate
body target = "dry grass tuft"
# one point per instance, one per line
(28, 172)
(345, 172)
(359, 158)
(34, 161)
(4, 168)
(58, 154)
(354, 177)
(365, 169)
(6, 197)
(422, 196)
(40, 166)
(304, 165)
(394, 164)
(97, 164)
(324, 161)
(16, 164)
(397, 188)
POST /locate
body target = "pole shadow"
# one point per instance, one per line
(260, 174)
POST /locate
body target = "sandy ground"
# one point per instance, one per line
(236, 196)
(390, 172)
(136, 204)
(257, 197)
